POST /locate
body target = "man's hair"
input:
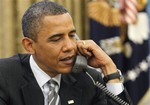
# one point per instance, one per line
(32, 18)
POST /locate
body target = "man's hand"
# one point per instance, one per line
(96, 57)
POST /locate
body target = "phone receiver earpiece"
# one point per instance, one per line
(80, 64)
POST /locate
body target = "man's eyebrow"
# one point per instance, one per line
(73, 31)
(55, 35)
(60, 34)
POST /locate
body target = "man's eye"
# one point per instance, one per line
(55, 39)
(72, 35)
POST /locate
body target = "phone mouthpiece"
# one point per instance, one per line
(80, 64)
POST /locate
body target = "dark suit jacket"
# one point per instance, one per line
(18, 86)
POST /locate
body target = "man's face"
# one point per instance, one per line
(55, 48)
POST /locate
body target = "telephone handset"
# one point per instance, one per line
(81, 65)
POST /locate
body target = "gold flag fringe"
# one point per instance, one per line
(141, 4)
(103, 13)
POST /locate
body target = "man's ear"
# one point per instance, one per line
(28, 44)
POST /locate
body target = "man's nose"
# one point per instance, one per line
(68, 45)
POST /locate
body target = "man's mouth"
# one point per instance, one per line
(69, 60)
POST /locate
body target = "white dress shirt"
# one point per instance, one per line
(42, 79)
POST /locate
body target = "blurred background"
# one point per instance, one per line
(119, 27)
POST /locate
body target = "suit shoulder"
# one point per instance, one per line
(11, 62)
(89, 73)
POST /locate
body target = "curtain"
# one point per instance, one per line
(11, 12)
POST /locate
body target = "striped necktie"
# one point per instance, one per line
(53, 95)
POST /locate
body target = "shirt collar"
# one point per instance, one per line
(40, 75)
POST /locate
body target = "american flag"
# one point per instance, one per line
(129, 11)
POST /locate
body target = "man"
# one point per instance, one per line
(50, 39)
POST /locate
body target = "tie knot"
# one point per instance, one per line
(52, 84)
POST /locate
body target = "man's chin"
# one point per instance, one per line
(66, 71)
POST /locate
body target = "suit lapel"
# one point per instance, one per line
(69, 93)
(31, 91)
(32, 94)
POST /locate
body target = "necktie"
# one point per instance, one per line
(53, 95)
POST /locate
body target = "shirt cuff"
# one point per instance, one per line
(115, 88)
